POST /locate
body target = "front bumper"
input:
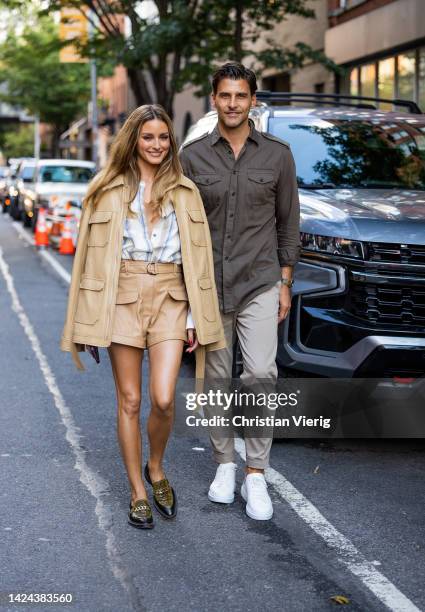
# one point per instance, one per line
(325, 336)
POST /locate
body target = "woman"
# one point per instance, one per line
(143, 279)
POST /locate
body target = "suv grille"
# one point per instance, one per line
(395, 253)
(388, 304)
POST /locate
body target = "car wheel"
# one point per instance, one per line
(33, 222)
(26, 220)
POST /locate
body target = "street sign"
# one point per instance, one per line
(73, 25)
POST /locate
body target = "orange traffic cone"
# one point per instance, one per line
(66, 246)
(41, 237)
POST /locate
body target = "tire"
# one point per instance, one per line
(33, 221)
(26, 220)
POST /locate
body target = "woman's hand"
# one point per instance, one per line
(192, 340)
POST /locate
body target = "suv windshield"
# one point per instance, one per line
(65, 174)
(26, 173)
(349, 153)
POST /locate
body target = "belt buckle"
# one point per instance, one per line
(149, 270)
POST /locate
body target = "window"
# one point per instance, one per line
(401, 76)
(335, 153)
(386, 72)
(355, 82)
(348, 4)
(421, 70)
(65, 174)
(367, 80)
(406, 76)
(26, 173)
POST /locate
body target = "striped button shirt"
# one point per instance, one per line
(163, 246)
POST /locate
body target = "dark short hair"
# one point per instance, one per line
(235, 71)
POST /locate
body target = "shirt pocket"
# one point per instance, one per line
(100, 228)
(260, 187)
(197, 228)
(211, 188)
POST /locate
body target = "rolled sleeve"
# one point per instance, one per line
(288, 213)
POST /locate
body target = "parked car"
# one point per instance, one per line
(58, 185)
(23, 176)
(359, 295)
(4, 171)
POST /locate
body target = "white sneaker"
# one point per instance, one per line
(222, 489)
(258, 503)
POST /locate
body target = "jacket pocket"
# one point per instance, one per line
(89, 300)
(100, 228)
(197, 228)
(207, 301)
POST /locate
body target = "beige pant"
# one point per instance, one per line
(256, 328)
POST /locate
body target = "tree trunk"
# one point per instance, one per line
(238, 31)
(57, 131)
(139, 87)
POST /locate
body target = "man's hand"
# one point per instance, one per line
(192, 340)
(284, 302)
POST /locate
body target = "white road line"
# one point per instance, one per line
(347, 553)
(64, 274)
(94, 483)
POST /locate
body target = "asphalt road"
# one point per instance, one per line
(349, 515)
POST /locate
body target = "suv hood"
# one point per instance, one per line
(375, 215)
(66, 189)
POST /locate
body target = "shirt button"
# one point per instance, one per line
(226, 258)
(233, 171)
(233, 193)
(231, 215)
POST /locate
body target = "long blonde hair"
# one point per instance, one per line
(123, 159)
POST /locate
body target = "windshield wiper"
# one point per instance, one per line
(378, 185)
(317, 186)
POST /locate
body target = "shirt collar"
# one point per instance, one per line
(253, 134)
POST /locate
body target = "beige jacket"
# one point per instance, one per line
(94, 282)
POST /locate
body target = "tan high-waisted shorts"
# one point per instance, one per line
(151, 304)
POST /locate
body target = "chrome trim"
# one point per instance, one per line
(328, 363)
(380, 279)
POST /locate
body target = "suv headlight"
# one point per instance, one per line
(334, 246)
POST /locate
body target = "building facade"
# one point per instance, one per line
(313, 77)
(378, 44)
(381, 44)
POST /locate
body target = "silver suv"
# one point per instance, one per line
(359, 292)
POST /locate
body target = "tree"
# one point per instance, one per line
(37, 81)
(181, 41)
(18, 142)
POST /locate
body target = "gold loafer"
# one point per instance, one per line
(140, 514)
(164, 496)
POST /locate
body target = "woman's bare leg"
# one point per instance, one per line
(164, 359)
(126, 364)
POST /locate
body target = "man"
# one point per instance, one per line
(248, 185)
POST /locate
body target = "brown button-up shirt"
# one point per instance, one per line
(253, 211)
